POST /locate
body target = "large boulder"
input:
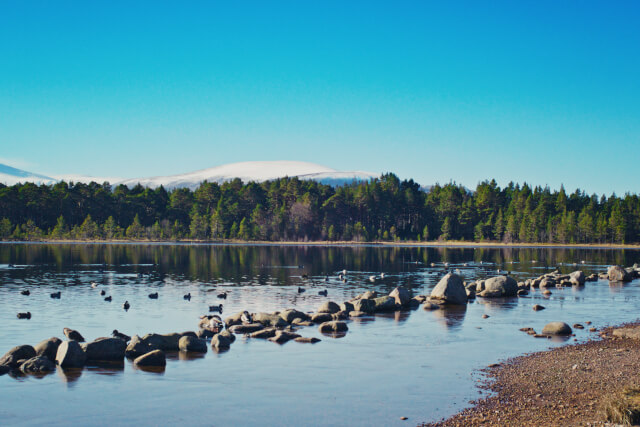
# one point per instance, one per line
(220, 342)
(282, 337)
(246, 329)
(547, 282)
(269, 319)
(401, 295)
(137, 347)
(615, 273)
(346, 306)
(164, 342)
(105, 349)
(500, 286)
(365, 304)
(21, 352)
(70, 355)
(48, 348)
(557, 328)
(194, 344)
(290, 315)
(38, 365)
(449, 290)
(329, 307)
(577, 278)
(385, 304)
(153, 359)
(333, 327)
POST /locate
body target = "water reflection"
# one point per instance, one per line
(451, 317)
(69, 375)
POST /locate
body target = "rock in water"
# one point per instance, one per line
(556, 328)
(165, 342)
(155, 358)
(577, 278)
(307, 340)
(401, 295)
(365, 304)
(246, 329)
(189, 343)
(329, 307)
(615, 273)
(282, 337)
(269, 319)
(385, 304)
(105, 349)
(21, 352)
(501, 286)
(137, 347)
(333, 327)
(70, 355)
(449, 290)
(38, 365)
(290, 315)
(538, 307)
(220, 342)
(48, 348)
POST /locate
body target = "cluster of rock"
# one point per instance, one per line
(617, 273)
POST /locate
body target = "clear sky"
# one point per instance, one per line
(545, 92)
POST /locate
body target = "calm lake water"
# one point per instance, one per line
(418, 364)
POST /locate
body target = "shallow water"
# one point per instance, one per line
(418, 364)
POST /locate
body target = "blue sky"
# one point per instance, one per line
(545, 92)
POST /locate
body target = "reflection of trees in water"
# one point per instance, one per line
(237, 263)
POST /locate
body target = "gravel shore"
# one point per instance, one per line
(564, 386)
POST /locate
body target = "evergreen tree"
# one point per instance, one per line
(135, 230)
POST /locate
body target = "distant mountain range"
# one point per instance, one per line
(246, 171)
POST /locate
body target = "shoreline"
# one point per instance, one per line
(411, 244)
(575, 384)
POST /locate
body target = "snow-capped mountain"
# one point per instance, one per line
(11, 176)
(247, 171)
(254, 171)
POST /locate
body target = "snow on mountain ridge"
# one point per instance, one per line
(257, 171)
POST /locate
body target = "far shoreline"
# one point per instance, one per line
(417, 244)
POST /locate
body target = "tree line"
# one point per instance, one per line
(290, 209)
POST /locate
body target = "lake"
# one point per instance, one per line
(417, 364)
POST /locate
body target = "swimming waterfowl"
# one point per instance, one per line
(126, 305)
(103, 292)
(108, 299)
(153, 295)
(344, 272)
(323, 293)
(94, 285)
(382, 275)
(187, 296)
(26, 315)
(73, 335)
(305, 276)
(246, 317)
(222, 295)
(56, 295)
(300, 290)
(11, 265)
(372, 279)
(217, 308)
(123, 337)
(326, 278)
(25, 292)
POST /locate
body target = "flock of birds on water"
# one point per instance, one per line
(217, 308)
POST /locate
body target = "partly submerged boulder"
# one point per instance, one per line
(70, 355)
(557, 328)
(500, 286)
(155, 358)
(38, 365)
(48, 348)
(615, 273)
(193, 344)
(105, 349)
(21, 352)
(449, 290)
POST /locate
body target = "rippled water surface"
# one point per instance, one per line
(418, 364)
